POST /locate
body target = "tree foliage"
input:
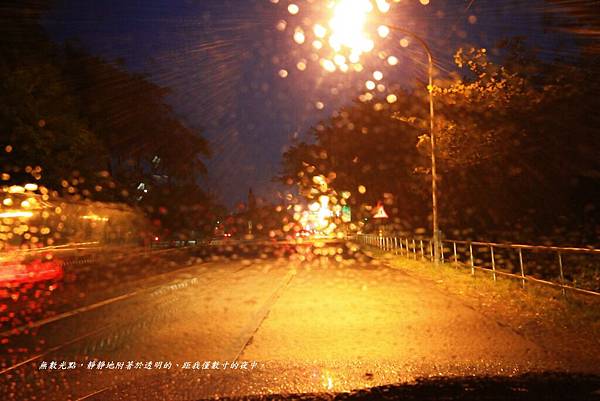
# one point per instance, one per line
(359, 150)
(517, 148)
(90, 128)
(133, 119)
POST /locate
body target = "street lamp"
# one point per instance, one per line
(347, 32)
(434, 207)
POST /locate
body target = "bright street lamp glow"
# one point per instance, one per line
(392, 60)
(12, 214)
(383, 31)
(348, 24)
(320, 31)
(383, 6)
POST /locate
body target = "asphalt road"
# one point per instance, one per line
(332, 324)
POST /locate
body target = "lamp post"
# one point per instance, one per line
(347, 25)
(436, 233)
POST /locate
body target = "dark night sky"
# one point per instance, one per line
(221, 59)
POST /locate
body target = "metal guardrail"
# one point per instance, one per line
(503, 259)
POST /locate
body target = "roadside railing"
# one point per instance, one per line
(568, 268)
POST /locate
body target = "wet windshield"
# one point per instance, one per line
(313, 198)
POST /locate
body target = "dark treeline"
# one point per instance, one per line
(517, 146)
(88, 128)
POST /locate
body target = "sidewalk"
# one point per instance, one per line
(570, 327)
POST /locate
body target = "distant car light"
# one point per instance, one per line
(15, 213)
(16, 272)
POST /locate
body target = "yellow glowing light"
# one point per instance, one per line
(319, 180)
(339, 59)
(365, 98)
(328, 65)
(383, 31)
(348, 24)
(301, 65)
(16, 189)
(383, 6)
(31, 187)
(370, 85)
(327, 380)
(283, 73)
(299, 36)
(15, 213)
(424, 2)
(317, 44)
(319, 30)
(293, 9)
(323, 213)
(94, 217)
(362, 189)
(404, 42)
(378, 75)
(391, 98)
(392, 60)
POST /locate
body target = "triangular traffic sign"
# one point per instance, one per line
(380, 212)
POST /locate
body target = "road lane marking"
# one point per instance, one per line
(87, 308)
(106, 327)
(263, 312)
(85, 397)
(48, 351)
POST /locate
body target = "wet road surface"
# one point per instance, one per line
(268, 326)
